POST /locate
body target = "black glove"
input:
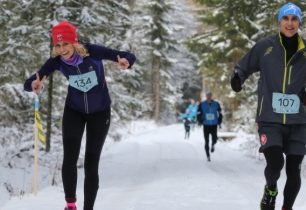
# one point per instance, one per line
(220, 118)
(236, 82)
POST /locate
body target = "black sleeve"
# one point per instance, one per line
(220, 116)
(248, 65)
(49, 67)
(100, 52)
(219, 108)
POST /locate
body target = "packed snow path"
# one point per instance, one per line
(160, 170)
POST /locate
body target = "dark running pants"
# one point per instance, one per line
(97, 125)
(275, 162)
(187, 128)
(210, 130)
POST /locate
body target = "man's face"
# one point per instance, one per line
(289, 25)
(208, 97)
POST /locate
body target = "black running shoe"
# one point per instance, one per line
(268, 200)
(212, 148)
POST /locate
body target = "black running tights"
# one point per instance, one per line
(210, 130)
(275, 162)
(97, 125)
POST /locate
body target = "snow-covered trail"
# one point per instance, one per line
(159, 170)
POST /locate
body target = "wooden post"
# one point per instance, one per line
(35, 168)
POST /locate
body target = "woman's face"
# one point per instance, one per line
(64, 49)
(289, 25)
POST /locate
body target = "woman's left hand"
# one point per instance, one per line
(123, 63)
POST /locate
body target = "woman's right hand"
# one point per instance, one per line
(37, 84)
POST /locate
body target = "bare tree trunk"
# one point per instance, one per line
(156, 87)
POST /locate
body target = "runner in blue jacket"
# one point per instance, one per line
(87, 104)
(209, 114)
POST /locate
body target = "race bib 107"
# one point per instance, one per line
(285, 103)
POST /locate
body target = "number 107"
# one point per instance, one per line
(286, 102)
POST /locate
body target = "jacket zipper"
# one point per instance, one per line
(261, 103)
(289, 78)
(285, 80)
(85, 94)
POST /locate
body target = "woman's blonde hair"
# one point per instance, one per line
(79, 48)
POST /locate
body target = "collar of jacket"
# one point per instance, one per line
(75, 60)
(301, 43)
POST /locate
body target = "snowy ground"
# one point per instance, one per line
(158, 170)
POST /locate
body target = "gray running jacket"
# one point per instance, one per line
(268, 57)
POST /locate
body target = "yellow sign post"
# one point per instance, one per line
(38, 136)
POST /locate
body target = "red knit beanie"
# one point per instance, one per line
(64, 32)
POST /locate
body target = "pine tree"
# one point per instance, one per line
(157, 36)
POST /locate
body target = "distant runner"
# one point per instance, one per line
(209, 114)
